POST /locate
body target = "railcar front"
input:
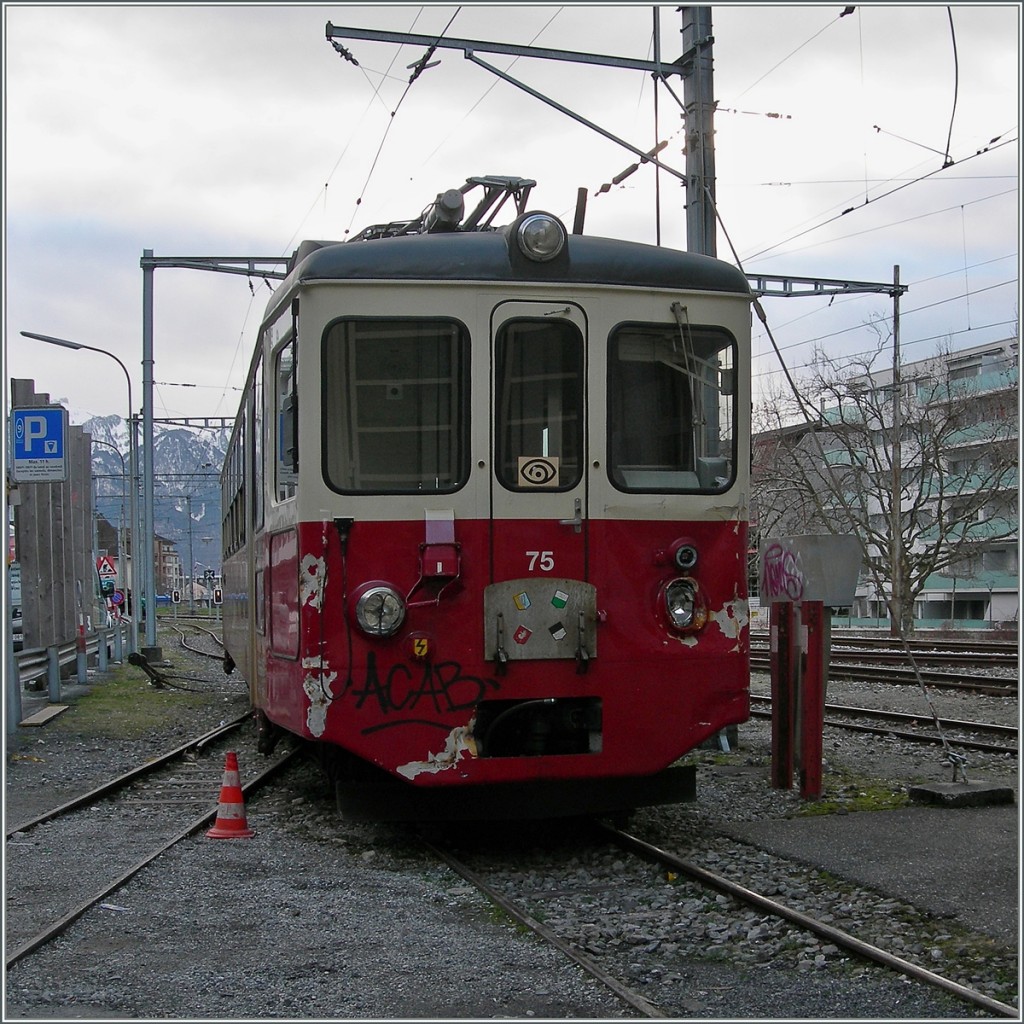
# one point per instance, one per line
(497, 563)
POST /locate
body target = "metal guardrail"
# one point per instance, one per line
(35, 663)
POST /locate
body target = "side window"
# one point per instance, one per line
(671, 408)
(227, 493)
(233, 488)
(539, 404)
(395, 406)
(239, 517)
(257, 448)
(286, 407)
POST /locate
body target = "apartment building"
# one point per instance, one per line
(949, 448)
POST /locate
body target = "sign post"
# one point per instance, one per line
(799, 577)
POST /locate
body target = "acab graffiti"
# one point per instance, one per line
(440, 688)
(781, 574)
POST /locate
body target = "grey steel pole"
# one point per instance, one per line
(699, 101)
(896, 512)
(152, 652)
(53, 674)
(135, 569)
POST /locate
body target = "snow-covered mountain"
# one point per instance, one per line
(186, 486)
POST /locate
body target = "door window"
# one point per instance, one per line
(539, 435)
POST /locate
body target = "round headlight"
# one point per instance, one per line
(541, 236)
(380, 611)
(684, 606)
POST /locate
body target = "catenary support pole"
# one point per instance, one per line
(151, 651)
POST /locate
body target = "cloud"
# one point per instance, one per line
(214, 129)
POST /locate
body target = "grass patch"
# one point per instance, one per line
(856, 796)
(126, 705)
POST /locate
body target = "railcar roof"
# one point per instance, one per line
(484, 256)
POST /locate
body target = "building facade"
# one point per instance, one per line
(926, 451)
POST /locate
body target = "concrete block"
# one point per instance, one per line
(962, 794)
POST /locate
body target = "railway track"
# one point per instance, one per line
(208, 634)
(520, 914)
(867, 671)
(998, 650)
(955, 734)
(836, 936)
(124, 823)
(542, 912)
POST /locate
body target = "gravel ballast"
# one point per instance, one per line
(315, 917)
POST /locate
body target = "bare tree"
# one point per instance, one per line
(921, 468)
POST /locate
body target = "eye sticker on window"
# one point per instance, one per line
(538, 471)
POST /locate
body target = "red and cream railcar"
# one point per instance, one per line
(486, 516)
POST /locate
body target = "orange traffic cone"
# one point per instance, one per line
(231, 823)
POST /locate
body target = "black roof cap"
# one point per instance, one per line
(484, 256)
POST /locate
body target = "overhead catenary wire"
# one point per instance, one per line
(840, 300)
(1000, 324)
(894, 223)
(861, 206)
(916, 309)
(391, 121)
(793, 53)
(956, 87)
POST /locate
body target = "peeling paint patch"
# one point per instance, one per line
(317, 686)
(460, 742)
(733, 618)
(312, 577)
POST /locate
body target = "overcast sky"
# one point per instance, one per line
(237, 130)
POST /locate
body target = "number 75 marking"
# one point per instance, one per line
(543, 560)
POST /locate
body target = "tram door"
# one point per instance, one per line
(539, 603)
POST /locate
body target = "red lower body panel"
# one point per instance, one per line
(433, 705)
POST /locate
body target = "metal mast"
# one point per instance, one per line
(699, 108)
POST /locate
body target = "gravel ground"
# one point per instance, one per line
(319, 918)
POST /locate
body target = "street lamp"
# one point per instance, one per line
(132, 459)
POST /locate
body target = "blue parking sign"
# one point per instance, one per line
(39, 438)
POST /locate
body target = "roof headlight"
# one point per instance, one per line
(540, 237)
(380, 611)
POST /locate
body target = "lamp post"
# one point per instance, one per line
(133, 462)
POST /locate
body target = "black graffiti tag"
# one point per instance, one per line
(443, 685)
